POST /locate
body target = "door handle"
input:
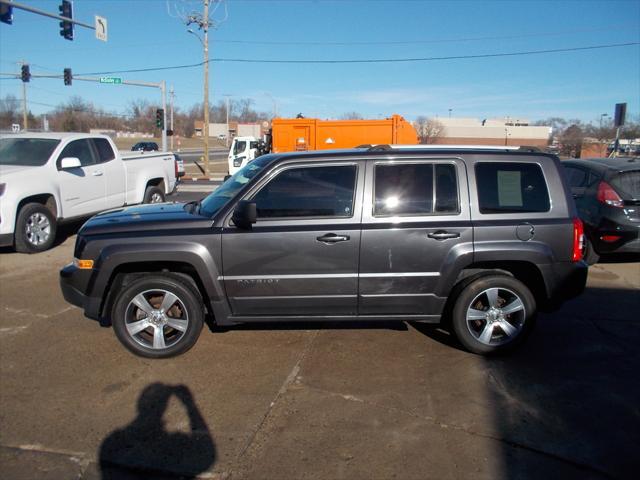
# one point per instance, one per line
(97, 173)
(443, 235)
(332, 238)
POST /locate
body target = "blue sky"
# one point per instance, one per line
(579, 84)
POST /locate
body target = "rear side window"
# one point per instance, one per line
(105, 152)
(511, 188)
(577, 177)
(627, 184)
(309, 192)
(408, 189)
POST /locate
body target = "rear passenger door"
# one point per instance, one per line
(416, 224)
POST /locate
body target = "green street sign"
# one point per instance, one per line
(111, 80)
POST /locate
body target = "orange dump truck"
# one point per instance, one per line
(302, 134)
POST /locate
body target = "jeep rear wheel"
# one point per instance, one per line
(493, 313)
(157, 316)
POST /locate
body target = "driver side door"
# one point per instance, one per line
(82, 189)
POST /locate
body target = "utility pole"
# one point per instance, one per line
(205, 130)
(227, 109)
(163, 90)
(171, 96)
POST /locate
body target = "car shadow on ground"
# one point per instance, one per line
(145, 449)
(619, 258)
(566, 401)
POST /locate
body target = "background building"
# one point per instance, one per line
(505, 131)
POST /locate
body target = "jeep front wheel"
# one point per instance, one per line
(493, 313)
(157, 316)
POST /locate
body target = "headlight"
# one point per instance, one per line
(238, 161)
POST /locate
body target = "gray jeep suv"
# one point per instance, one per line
(479, 238)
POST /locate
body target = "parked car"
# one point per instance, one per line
(607, 195)
(48, 178)
(145, 147)
(481, 238)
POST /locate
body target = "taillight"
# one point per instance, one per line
(608, 195)
(578, 240)
(175, 166)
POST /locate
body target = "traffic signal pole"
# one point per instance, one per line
(161, 86)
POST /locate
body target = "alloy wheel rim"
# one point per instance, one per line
(156, 319)
(495, 316)
(37, 229)
(156, 198)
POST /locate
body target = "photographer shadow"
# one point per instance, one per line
(145, 449)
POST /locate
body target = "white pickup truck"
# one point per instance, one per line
(46, 178)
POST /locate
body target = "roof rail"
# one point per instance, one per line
(383, 147)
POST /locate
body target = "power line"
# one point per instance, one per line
(364, 61)
(424, 41)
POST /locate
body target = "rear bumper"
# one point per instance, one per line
(73, 283)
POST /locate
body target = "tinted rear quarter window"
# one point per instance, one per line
(511, 188)
(105, 152)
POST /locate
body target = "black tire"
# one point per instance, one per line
(186, 311)
(153, 195)
(502, 292)
(590, 254)
(35, 229)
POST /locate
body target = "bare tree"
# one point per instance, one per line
(10, 111)
(429, 129)
(351, 116)
(571, 140)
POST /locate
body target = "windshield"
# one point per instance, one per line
(28, 152)
(229, 189)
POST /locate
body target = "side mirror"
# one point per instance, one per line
(226, 177)
(68, 163)
(244, 214)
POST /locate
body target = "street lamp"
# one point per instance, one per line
(450, 112)
(601, 117)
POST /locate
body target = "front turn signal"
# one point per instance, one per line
(83, 264)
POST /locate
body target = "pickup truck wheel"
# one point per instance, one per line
(157, 316)
(35, 229)
(153, 195)
(493, 314)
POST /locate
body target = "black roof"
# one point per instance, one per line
(616, 163)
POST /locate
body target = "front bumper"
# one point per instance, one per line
(74, 283)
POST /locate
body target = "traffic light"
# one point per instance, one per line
(160, 118)
(68, 76)
(25, 74)
(6, 13)
(66, 27)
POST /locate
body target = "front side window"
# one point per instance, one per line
(408, 189)
(239, 147)
(309, 192)
(79, 149)
(511, 188)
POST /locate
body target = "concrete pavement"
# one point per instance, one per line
(339, 401)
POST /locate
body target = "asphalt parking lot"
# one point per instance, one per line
(351, 401)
